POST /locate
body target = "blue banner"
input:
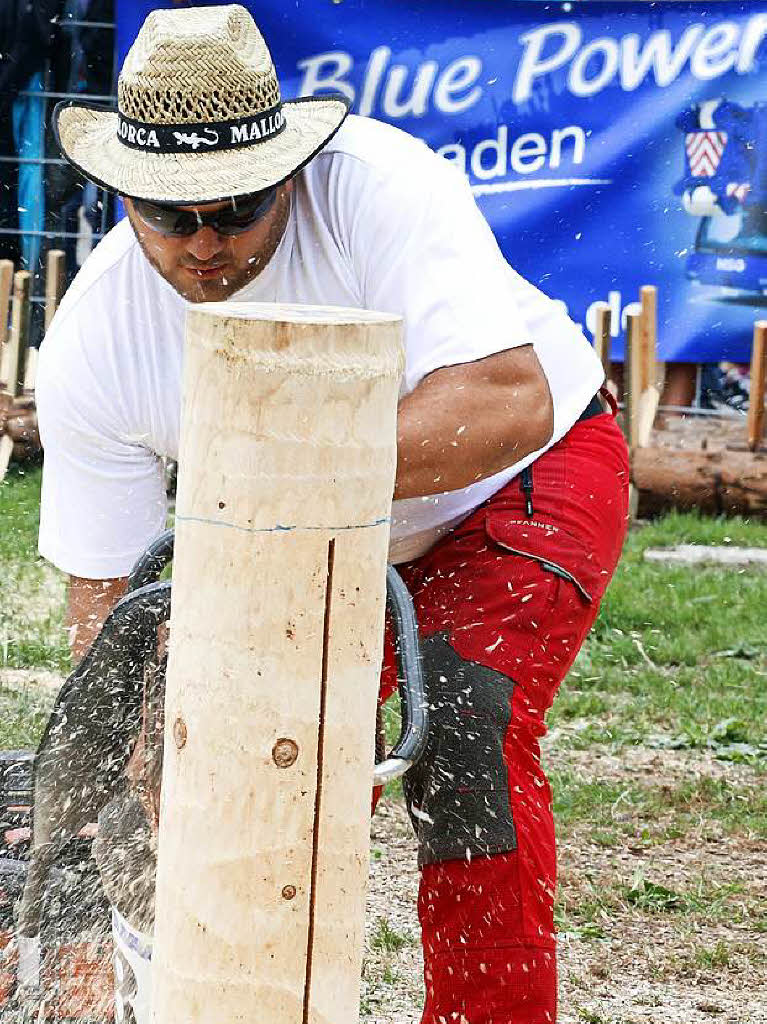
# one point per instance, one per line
(609, 145)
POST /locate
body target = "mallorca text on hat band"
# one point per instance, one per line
(150, 137)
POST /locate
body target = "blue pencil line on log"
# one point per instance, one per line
(279, 528)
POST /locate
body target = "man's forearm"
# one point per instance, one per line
(89, 602)
(467, 422)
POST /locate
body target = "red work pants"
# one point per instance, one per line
(504, 602)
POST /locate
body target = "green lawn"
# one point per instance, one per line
(678, 656)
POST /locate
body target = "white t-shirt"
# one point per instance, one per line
(377, 222)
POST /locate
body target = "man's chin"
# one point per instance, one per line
(195, 287)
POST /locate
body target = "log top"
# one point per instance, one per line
(294, 313)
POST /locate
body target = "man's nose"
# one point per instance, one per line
(205, 244)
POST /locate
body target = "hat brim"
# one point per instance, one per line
(89, 141)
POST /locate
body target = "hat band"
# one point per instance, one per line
(150, 137)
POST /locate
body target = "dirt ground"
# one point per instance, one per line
(630, 967)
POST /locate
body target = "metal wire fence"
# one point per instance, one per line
(65, 212)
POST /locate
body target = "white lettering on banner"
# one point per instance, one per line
(460, 74)
(395, 105)
(716, 54)
(452, 89)
(528, 154)
(491, 158)
(630, 60)
(606, 54)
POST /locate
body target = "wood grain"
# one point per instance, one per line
(275, 651)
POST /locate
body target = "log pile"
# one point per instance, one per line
(714, 464)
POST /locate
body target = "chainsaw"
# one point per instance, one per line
(83, 795)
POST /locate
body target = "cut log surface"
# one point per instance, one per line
(275, 649)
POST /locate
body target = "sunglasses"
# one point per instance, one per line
(231, 220)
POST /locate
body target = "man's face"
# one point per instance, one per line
(207, 266)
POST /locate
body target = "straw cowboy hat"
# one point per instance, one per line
(199, 116)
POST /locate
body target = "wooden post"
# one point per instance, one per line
(6, 284)
(756, 397)
(648, 295)
(55, 282)
(652, 375)
(275, 650)
(17, 350)
(634, 373)
(603, 338)
(19, 339)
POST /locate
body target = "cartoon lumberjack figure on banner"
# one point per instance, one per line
(510, 501)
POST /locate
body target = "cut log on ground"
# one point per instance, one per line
(714, 482)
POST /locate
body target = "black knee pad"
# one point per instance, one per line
(458, 793)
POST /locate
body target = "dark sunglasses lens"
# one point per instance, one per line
(166, 220)
(246, 213)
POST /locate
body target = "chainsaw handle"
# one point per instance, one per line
(415, 708)
(150, 565)
(415, 713)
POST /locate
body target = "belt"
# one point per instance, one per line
(594, 408)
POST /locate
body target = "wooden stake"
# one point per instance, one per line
(275, 649)
(603, 337)
(649, 338)
(756, 397)
(6, 284)
(633, 372)
(19, 339)
(55, 282)
(16, 355)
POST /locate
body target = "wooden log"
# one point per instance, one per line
(30, 370)
(633, 378)
(649, 337)
(275, 650)
(603, 338)
(712, 482)
(19, 337)
(6, 285)
(17, 350)
(55, 282)
(755, 422)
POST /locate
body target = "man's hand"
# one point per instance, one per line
(89, 602)
(467, 422)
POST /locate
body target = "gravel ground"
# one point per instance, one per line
(643, 969)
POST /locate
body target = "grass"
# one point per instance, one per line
(387, 939)
(678, 656)
(32, 631)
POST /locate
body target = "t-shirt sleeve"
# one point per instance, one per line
(424, 250)
(103, 494)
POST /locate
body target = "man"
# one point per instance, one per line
(511, 490)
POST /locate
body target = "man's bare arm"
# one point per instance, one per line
(88, 604)
(466, 422)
